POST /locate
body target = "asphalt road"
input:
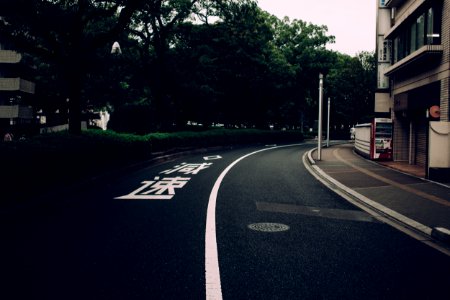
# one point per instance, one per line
(280, 235)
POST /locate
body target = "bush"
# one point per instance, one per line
(53, 159)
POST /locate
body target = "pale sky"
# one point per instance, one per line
(352, 22)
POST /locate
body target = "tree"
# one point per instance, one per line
(66, 34)
(225, 66)
(208, 61)
(250, 66)
(155, 26)
(351, 84)
(304, 47)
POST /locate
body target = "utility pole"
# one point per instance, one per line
(319, 133)
(328, 124)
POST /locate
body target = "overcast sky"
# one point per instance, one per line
(352, 22)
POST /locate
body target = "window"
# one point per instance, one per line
(430, 18)
(433, 27)
(413, 37)
(420, 31)
(423, 30)
(396, 40)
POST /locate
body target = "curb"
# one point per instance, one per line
(441, 234)
(437, 234)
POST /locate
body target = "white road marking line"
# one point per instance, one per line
(212, 272)
(213, 157)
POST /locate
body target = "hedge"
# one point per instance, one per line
(56, 159)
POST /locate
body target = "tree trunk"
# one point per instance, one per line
(75, 103)
(74, 72)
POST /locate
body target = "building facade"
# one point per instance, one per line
(413, 53)
(16, 93)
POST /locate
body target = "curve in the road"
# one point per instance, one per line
(212, 271)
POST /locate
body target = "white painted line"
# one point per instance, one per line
(213, 157)
(212, 272)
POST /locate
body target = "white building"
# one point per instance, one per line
(16, 93)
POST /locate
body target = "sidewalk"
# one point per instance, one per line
(420, 205)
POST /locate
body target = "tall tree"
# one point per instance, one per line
(227, 65)
(304, 47)
(66, 33)
(351, 84)
(155, 26)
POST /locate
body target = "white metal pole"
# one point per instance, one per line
(328, 124)
(319, 133)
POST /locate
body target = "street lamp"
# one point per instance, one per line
(319, 133)
(328, 124)
(116, 48)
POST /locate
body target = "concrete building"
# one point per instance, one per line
(413, 52)
(16, 93)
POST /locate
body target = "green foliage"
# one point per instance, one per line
(202, 61)
(351, 84)
(132, 118)
(65, 34)
(57, 159)
(220, 137)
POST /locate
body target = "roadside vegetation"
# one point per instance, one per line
(34, 166)
(181, 61)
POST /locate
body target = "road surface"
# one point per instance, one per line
(253, 219)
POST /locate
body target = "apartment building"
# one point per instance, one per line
(413, 53)
(16, 93)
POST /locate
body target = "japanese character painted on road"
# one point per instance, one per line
(158, 189)
(186, 168)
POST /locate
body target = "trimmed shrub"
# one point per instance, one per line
(49, 160)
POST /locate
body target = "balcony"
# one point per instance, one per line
(10, 57)
(17, 84)
(423, 53)
(393, 3)
(406, 15)
(15, 111)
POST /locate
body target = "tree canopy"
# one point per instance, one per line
(184, 61)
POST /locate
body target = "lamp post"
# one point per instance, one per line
(319, 131)
(328, 124)
(116, 48)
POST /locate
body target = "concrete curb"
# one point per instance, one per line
(439, 234)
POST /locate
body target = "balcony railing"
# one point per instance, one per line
(422, 53)
(17, 84)
(9, 56)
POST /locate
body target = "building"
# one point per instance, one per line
(16, 93)
(413, 52)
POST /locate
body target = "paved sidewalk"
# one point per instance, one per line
(415, 203)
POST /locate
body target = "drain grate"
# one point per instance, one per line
(268, 227)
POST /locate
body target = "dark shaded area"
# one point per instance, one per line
(48, 162)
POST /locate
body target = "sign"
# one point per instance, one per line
(435, 111)
(382, 80)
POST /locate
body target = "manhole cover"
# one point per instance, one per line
(268, 227)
